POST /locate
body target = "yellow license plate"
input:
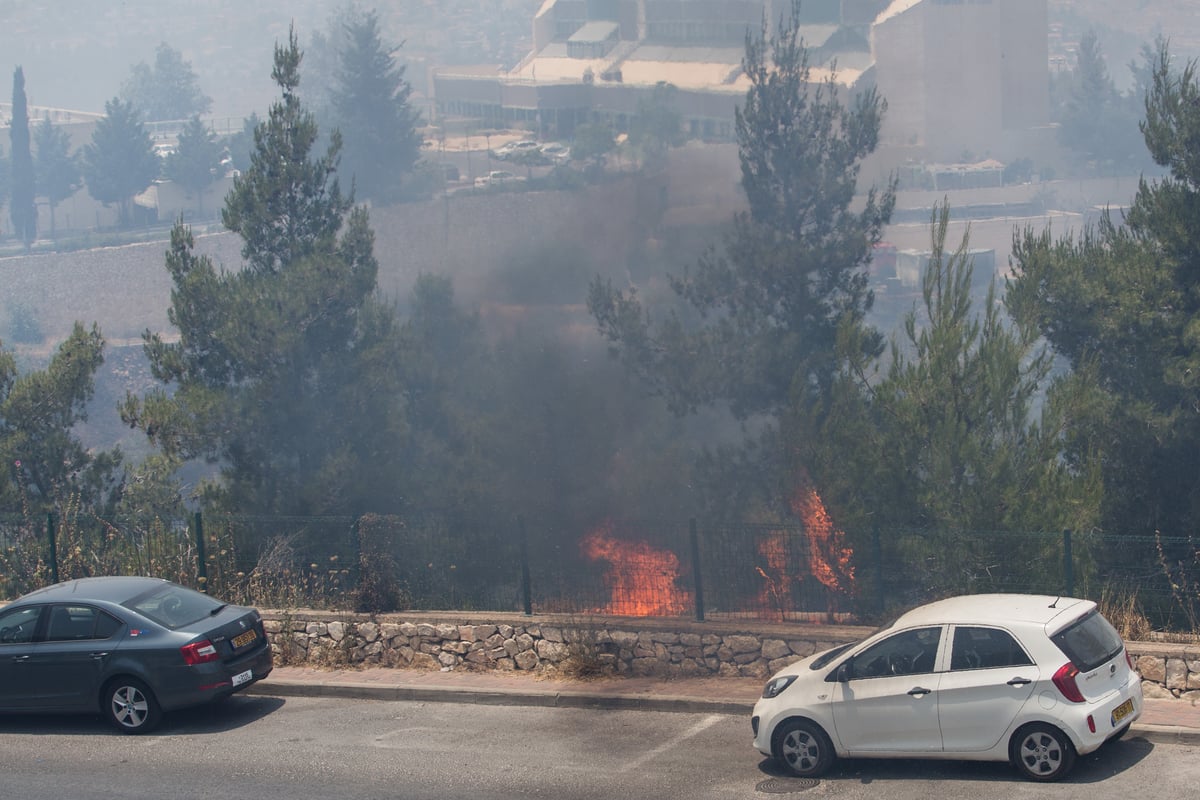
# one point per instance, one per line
(243, 639)
(1122, 711)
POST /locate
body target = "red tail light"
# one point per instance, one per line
(1129, 661)
(200, 652)
(1064, 679)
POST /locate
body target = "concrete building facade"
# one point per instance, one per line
(957, 74)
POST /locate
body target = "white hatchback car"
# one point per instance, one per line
(1031, 679)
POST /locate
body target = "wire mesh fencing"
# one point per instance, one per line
(661, 568)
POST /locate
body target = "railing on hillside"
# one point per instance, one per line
(622, 567)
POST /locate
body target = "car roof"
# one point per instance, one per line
(111, 589)
(1036, 609)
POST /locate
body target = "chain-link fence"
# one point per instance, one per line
(622, 567)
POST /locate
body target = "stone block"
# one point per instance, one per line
(775, 648)
(802, 647)
(624, 639)
(743, 644)
(1177, 673)
(551, 651)
(1152, 668)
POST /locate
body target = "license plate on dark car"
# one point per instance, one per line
(243, 639)
(1122, 711)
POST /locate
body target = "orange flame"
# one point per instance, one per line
(829, 558)
(641, 578)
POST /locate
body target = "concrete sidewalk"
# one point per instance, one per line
(1162, 721)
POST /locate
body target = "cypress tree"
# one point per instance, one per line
(22, 209)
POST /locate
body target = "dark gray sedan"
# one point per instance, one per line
(130, 648)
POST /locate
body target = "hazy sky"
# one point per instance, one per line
(77, 53)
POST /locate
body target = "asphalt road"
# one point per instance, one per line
(300, 748)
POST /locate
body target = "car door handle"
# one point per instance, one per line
(1019, 681)
(20, 659)
(98, 656)
(919, 691)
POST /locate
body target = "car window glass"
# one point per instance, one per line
(1089, 642)
(908, 653)
(107, 625)
(173, 606)
(985, 648)
(17, 626)
(72, 623)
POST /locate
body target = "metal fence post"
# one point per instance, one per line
(697, 579)
(526, 583)
(201, 561)
(1068, 564)
(53, 547)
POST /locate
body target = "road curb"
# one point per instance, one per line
(1166, 734)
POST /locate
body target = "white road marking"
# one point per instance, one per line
(702, 725)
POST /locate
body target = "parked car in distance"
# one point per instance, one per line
(510, 149)
(1030, 679)
(496, 177)
(130, 648)
(556, 152)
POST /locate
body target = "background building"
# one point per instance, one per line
(957, 74)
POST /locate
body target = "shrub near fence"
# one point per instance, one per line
(628, 568)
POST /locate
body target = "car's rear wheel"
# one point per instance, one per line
(803, 748)
(1042, 752)
(130, 706)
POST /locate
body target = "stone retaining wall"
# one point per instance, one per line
(671, 648)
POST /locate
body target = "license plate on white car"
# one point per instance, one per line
(243, 677)
(1122, 711)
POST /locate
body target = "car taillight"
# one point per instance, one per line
(1064, 679)
(199, 652)
(1129, 661)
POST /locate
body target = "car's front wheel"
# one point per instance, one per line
(130, 706)
(1042, 752)
(803, 748)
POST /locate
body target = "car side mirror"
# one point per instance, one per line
(845, 672)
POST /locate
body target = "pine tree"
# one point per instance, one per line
(119, 161)
(285, 372)
(195, 162)
(1119, 303)
(167, 91)
(56, 167)
(372, 108)
(285, 205)
(771, 323)
(774, 301)
(21, 208)
(45, 462)
(964, 447)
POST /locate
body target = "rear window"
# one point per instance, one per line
(174, 606)
(1090, 642)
